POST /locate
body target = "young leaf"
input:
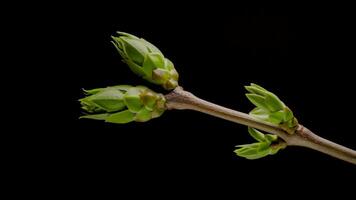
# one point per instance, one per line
(253, 151)
(259, 87)
(257, 135)
(271, 138)
(133, 103)
(288, 114)
(109, 99)
(151, 48)
(143, 115)
(153, 61)
(134, 49)
(127, 34)
(273, 102)
(276, 117)
(255, 90)
(95, 116)
(121, 117)
(257, 100)
(260, 114)
(122, 88)
(92, 91)
(132, 99)
(135, 68)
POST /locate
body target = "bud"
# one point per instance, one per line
(270, 108)
(267, 144)
(146, 60)
(122, 104)
(253, 151)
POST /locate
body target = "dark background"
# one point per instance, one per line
(303, 55)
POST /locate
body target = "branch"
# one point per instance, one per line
(180, 99)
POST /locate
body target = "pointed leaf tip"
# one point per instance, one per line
(257, 100)
(257, 135)
(122, 117)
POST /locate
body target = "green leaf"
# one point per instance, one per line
(253, 145)
(109, 99)
(288, 114)
(126, 34)
(169, 65)
(260, 114)
(132, 99)
(119, 46)
(151, 62)
(151, 48)
(257, 135)
(90, 106)
(134, 49)
(276, 117)
(257, 100)
(273, 102)
(121, 117)
(92, 91)
(96, 116)
(255, 90)
(292, 123)
(122, 88)
(110, 105)
(143, 115)
(259, 87)
(133, 103)
(271, 138)
(135, 68)
(253, 151)
(117, 42)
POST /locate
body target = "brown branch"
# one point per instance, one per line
(180, 99)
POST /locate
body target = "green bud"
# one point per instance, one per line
(146, 60)
(257, 100)
(271, 138)
(270, 108)
(257, 135)
(261, 137)
(122, 104)
(253, 151)
(268, 144)
(262, 98)
(122, 117)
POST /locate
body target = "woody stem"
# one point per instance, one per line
(181, 100)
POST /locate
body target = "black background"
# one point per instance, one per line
(304, 55)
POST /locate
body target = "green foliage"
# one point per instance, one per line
(270, 108)
(122, 104)
(267, 144)
(146, 60)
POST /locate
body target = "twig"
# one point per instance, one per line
(180, 99)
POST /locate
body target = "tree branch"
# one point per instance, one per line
(180, 99)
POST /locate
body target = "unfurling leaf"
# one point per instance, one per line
(146, 60)
(253, 151)
(256, 134)
(121, 117)
(268, 145)
(123, 104)
(270, 108)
